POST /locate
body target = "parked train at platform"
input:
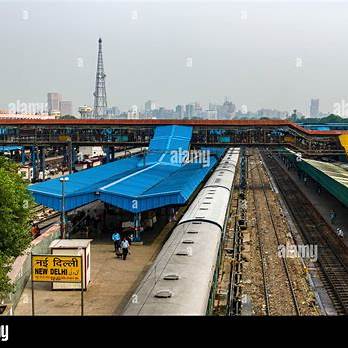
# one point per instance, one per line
(181, 278)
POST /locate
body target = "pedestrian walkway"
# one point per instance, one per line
(323, 202)
(112, 281)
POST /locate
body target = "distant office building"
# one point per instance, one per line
(53, 102)
(228, 108)
(150, 105)
(198, 109)
(212, 107)
(179, 111)
(189, 110)
(66, 107)
(212, 115)
(86, 112)
(314, 108)
(271, 113)
(112, 112)
(133, 113)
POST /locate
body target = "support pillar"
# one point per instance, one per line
(107, 154)
(137, 228)
(70, 157)
(74, 150)
(33, 161)
(42, 161)
(65, 155)
(112, 151)
(23, 158)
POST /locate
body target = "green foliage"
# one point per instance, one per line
(15, 207)
(328, 119)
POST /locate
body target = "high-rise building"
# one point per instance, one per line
(133, 113)
(314, 108)
(53, 102)
(65, 107)
(150, 105)
(112, 112)
(179, 111)
(212, 115)
(228, 108)
(189, 110)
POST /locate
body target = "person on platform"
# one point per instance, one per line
(125, 248)
(340, 232)
(116, 238)
(130, 238)
(332, 216)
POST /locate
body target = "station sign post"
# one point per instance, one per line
(56, 268)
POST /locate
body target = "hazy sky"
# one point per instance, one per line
(272, 54)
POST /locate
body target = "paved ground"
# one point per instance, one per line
(324, 203)
(113, 281)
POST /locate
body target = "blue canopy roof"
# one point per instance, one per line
(10, 148)
(135, 184)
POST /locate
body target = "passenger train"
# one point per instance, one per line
(181, 278)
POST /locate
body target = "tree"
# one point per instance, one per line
(68, 117)
(15, 207)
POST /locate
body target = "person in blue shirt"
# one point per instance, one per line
(117, 240)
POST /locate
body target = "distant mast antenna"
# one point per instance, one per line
(100, 103)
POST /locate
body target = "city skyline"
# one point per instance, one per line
(147, 59)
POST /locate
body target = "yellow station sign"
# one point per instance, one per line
(56, 268)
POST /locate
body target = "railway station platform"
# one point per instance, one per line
(113, 280)
(326, 187)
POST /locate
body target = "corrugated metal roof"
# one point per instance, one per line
(333, 177)
(10, 148)
(82, 186)
(332, 170)
(135, 184)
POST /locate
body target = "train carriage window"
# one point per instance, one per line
(163, 294)
(183, 253)
(188, 241)
(172, 276)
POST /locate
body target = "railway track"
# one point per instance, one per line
(332, 252)
(268, 238)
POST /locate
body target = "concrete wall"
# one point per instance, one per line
(21, 269)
